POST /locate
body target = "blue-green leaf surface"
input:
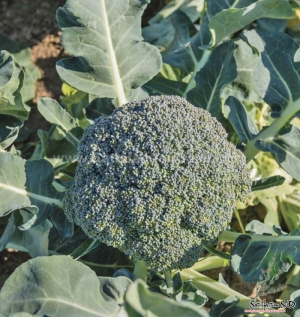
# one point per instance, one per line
(26, 184)
(227, 307)
(99, 107)
(162, 86)
(54, 286)
(253, 253)
(184, 51)
(241, 121)
(87, 246)
(55, 114)
(277, 74)
(11, 81)
(271, 25)
(104, 37)
(229, 21)
(113, 289)
(286, 148)
(160, 31)
(219, 71)
(9, 130)
(216, 6)
(242, 87)
(32, 73)
(12, 181)
(139, 301)
(267, 183)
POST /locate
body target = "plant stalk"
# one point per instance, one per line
(212, 288)
(140, 270)
(269, 132)
(169, 280)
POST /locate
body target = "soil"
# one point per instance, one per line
(33, 22)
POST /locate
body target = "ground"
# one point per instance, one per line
(33, 22)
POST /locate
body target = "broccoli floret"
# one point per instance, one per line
(156, 178)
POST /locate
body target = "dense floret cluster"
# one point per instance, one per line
(154, 179)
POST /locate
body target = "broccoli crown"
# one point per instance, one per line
(154, 179)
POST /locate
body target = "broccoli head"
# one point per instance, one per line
(156, 178)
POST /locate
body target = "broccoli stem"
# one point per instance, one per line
(197, 66)
(210, 262)
(212, 288)
(140, 270)
(169, 280)
(23, 192)
(268, 133)
(229, 236)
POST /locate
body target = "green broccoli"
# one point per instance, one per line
(154, 179)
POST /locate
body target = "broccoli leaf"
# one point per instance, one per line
(84, 248)
(216, 6)
(110, 58)
(139, 302)
(271, 25)
(25, 184)
(184, 51)
(253, 254)
(285, 146)
(219, 71)
(54, 113)
(277, 74)
(267, 183)
(242, 87)
(30, 290)
(229, 305)
(230, 21)
(163, 86)
(11, 81)
(241, 121)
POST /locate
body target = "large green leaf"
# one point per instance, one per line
(241, 121)
(272, 25)
(11, 81)
(32, 73)
(55, 148)
(253, 253)
(25, 184)
(36, 239)
(113, 289)
(191, 7)
(219, 71)
(216, 6)
(184, 51)
(84, 248)
(104, 37)
(227, 307)
(160, 31)
(12, 181)
(54, 113)
(286, 147)
(54, 286)
(242, 87)
(9, 130)
(267, 183)
(140, 302)
(22, 55)
(227, 22)
(162, 86)
(277, 74)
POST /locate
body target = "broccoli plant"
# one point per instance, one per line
(163, 136)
